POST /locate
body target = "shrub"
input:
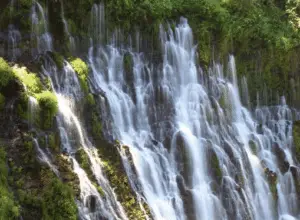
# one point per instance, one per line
(82, 70)
(30, 80)
(48, 101)
(48, 106)
(8, 208)
(58, 202)
(6, 74)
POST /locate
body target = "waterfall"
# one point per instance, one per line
(40, 35)
(14, 37)
(72, 45)
(43, 157)
(32, 110)
(197, 152)
(67, 88)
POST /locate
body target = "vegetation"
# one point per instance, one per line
(85, 163)
(30, 80)
(296, 136)
(114, 170)
(6, 74)
(2, 101)
(8, 208)
(58, 202)
(82, 70)
(49, 107)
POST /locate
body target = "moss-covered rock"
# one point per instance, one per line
(30, 80)
(114, 170)
(6, 73)
(48, 107)
(82, 70)
(85, 163)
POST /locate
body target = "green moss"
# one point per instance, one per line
(22, 106)
(52, 142)
(30, 80)
(67, 174)
(216, 167)
(296, 137)
(58, 59)
(48, 107)
(96, 125)
(85, 163)
(8, 208)
(252, 146)
(2, 102)
(114, 170)
(82, 70)
(6, 73)
(90, 99)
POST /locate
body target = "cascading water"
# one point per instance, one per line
(40, 35)
(72, 45)
(14, 37)
(197, 152)
(66, 85)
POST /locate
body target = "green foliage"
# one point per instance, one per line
(85, 163)
(58, 59)
(82, 70)
(8, 209)
(296, 136)
(52, 142)
(30, 80)
(114, 170)
(90, 99)
(58, 202)
(96, 125)
(6, 74)
(48, 106)
(2, 101)
(22, 106)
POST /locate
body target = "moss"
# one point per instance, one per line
(30, 80)
(85, 163)
(22, 106)
(67, 174)
(90, 99)
(8, 207)
(2, 102)
(296, 137)
(82, 70)
(6, 73)
(58, 59)
(252, 146)
(52, 142)
(96, 125)
(114, 170)
(48, 106)
(216, 167)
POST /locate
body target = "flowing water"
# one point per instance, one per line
(14, 37)
(40, 35)
(72, 45)
(67, 88)
(197, 151)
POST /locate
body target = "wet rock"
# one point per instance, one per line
(91, 203)
(279, 153)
